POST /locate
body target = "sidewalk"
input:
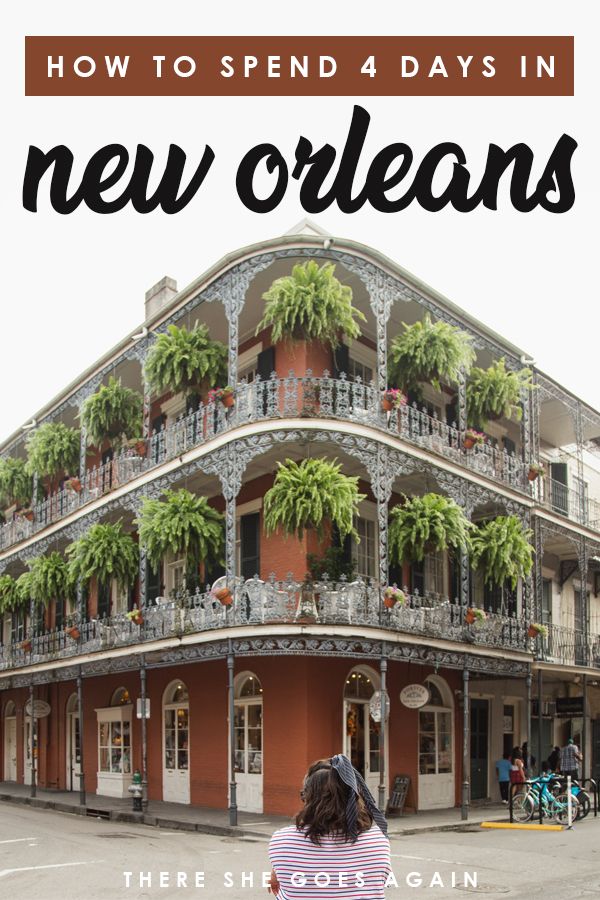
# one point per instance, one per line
(216, 821)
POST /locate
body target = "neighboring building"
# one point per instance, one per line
(305, 663)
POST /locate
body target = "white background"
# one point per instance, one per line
(73, 285)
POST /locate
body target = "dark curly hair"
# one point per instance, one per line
(325, 799)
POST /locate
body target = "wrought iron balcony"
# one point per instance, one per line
(277, 398)
(569, 502)
(257, 603)
(569, 647)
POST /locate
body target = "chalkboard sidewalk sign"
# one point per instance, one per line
(399, 793)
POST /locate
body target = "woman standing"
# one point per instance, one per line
(338, 846)
(517, 772)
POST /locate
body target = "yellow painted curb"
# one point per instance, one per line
(526, 826)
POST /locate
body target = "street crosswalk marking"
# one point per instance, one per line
(89, 862)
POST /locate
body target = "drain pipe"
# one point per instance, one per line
(32, 743)
(82, 797)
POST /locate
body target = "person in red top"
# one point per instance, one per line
(338, 846)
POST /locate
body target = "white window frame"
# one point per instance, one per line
(368, 512)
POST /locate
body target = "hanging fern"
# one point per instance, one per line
(181, 360)
(502, 550)
(113, 413)
(182, 524)
(311, 304)
(53, 448)
(426, 524)
(25, 589)
(430, 352)
(104, 552)
(50, 579)
(15, 482)
(309, 493)
(495, 393)
(9, 597)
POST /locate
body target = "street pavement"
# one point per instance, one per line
(49, 855)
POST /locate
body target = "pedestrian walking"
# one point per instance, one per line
(570, 757)
(554, 760)
(338, 846)
(503, 768)
(517, 769)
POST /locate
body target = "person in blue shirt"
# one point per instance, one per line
(503, 767)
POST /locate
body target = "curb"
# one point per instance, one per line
(114, 815)
(158, 821)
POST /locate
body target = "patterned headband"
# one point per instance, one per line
(356, 783)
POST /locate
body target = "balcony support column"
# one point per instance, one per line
(466, 748)
(528, 681)
(382, 293)
(582, 513)
(540, 693)
(144, 734)
(32, 743)
(538, 539)
(461, 405)
(82, 798)
(231, 707)
(383, 777)
(82, 452)
(583, 576)
(526, 430)
(142, 578)
(584, 734)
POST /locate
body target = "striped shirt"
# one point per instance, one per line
(335, 868)
(569, 758)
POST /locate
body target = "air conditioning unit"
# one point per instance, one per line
(549, 708)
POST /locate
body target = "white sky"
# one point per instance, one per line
(75, 284)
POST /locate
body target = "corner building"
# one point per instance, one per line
(298, 666)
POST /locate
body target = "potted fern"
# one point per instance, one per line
(536, 629)
(113, 413)
(424, 524)
(105, 552)
(9, 597)
(429, 351)
(308, 494)
(501, 549)
(495, 393)
(183, 524)
(48, 579)
(184, 360)
(311, 304)
(52, 449)
(16, 486)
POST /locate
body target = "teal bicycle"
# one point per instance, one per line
(544, 797)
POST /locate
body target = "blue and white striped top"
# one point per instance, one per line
(335, 868)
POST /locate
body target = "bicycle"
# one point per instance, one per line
(538, 793)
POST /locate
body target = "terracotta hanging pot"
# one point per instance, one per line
(468, 443)
(470, 616)
(533, 474)
(386, 404)
(26, 646)
(532, 632)
(73, 632)
(75, 485)
(389, 602)
(228, 400)
(224, 596)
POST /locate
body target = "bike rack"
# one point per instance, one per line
(513, 790)
(594, 787)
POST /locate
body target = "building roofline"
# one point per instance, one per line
(269, 245)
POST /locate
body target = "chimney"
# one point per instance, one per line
(160, 296)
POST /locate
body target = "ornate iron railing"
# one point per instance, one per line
(256, 603)
(276, 398)
(569, 646)
(569, 502)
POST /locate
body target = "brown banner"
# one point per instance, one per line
(299, 66)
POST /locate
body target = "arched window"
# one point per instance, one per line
(361, 733)
(176, 692)
(10, 710)
(73, 704)
(248, 686)
(120, 697)
(359, 684)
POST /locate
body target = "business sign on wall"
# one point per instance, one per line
(414, 696)
(41, 709)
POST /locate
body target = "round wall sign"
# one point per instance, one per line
(41, 709)
(414, 696)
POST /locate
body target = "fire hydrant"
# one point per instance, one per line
(136, 790)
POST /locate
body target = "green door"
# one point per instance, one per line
(480, 714)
